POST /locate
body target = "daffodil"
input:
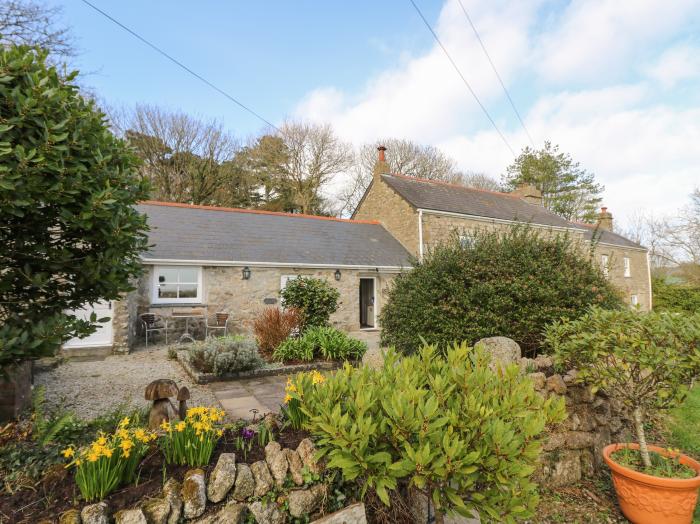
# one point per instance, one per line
(68, 452)
(287, 398)
(180, 426)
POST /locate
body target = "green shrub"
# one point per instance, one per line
(644, 360)
(221, 355)
(675, 297)
(321, 342)
(501, 283)
(465, 435)
(316, 299)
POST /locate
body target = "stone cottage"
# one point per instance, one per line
(236, 261)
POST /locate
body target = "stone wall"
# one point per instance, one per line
(572, 449)
(224, 290)
(398, 217)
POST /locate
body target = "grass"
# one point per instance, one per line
(685, 430)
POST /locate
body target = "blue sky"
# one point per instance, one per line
(615, 83)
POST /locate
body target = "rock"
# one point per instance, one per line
(373, 358)
(194, 494)
(276, 461)
(306, 501)
(231, 513)
(354, 514)
(543, 362)
(578, 439)
(72, 516)
(222, 478)
(130, 516)
(587, 463)
(538, 380)
(156, 511)
(263, 479)
(266, 513)
(245, 483)
(306, 450)
(95, 514)
(561, 468)
(295, 466)
(556, 384)
(171, 492)
(570, 377)
(553, 441)
(503, 350)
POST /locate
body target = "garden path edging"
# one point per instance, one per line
(208, 378)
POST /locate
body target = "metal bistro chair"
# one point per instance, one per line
(219, 321)
(154, 323)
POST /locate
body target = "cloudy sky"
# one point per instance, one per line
(615, 83)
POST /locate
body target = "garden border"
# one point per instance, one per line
(207, 378)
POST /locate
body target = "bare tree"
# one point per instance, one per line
(315, 155)
(35, 24)
(186, 159)
(480, 181)
(404, 157)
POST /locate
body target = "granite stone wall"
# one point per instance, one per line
(224, 290)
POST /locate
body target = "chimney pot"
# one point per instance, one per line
(380, 166)
(605, 219)
(381, 150)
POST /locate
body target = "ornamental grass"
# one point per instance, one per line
(192, 441)
(109, 461)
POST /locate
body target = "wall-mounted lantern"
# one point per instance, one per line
(246, 273)
(337, 274)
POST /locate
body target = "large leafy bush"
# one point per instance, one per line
(69, 231)
(221, 355)
(509, 283)
(645, 360)
(317, 300)
(321, 342)
(466, 435)
(675, 297)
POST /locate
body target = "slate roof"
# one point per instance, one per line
(186, 232)
(608, 237)
(426, 194)
(439, 196)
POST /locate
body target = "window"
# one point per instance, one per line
(634, 300)
(286, 278)
(173, 284)
(605, 264)
(628, 269)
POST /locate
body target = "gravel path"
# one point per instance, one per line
(93, 388)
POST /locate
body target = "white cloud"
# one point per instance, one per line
(643, 150)
(675, 65)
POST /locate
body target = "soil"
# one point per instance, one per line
(57, 491)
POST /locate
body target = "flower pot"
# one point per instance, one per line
(645, 499)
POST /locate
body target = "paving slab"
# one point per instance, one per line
(240, 397)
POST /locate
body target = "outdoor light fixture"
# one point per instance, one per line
(246, 273)
(337, 274)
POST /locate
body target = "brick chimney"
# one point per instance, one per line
(529, 194)
(605, 219)
(381, 167)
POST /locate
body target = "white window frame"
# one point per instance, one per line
(605, 265)
(155, 299)
(634, 300)
(628, 266)
(284, 280)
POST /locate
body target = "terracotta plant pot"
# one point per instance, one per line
(645, 499)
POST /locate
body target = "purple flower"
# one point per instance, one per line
(247, 433)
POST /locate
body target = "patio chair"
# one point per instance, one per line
(154, 323)
(219, 322)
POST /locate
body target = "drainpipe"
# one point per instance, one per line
(651, 291)
(420, 235)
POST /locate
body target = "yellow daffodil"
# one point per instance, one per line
(219, 432)
(68, 452)
(287, 398)
(124, 422)
(165, 425)
(102, 440)
(180, 426)
(92, 457)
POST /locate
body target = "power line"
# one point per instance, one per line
(493, 66)
(459, 72)
(183, 66)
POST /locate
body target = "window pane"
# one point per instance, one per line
(188, 291)
(188, 274)
(167, 291)
(167, 275)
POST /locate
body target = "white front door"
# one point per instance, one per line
(103, 335)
